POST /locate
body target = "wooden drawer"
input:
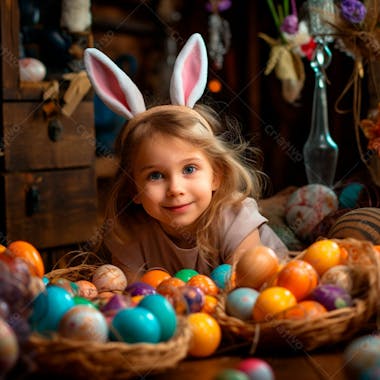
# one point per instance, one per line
(28, 146)
(49, 209)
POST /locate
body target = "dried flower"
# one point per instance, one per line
(353, 11)
(290, 24)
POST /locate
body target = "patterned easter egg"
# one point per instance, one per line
(256, 369)
(9, 349)
(362, 358)
(109, 277)
(240, 302)
(361, 223)
(307, 206)
(84, 323)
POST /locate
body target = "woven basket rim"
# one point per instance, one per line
(332, 327)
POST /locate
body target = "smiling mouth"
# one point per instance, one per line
(177, 208)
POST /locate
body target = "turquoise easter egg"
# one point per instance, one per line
(49, 307)
(221, 275)
(163, 310)
(134, 325)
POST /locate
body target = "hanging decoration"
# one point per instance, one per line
(293, 43)
(219, 32)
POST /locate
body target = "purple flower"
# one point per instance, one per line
(222, 5)
(353, 11)
(290, 24)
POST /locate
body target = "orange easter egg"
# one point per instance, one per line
(154, 277)
(205, 283)
(323, 255)
(209, 305)
(30, 254)
(271, 301)
(299, 277)
(256, 267)
(307, 309)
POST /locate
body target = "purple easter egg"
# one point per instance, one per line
(115, 303)
(194, 297)
(140, 289)
(331, 296)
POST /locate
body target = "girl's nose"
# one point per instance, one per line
(175, 186)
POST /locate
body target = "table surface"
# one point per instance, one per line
(328, 364)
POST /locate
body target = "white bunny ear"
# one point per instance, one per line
(189, 76)
(113, 85)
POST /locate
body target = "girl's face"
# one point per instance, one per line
(175, 182)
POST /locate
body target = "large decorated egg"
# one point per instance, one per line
(109, 277)
(307, 206)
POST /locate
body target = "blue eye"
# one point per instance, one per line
(189, 169)
(155, 176)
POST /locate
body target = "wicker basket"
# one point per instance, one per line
(110, 360)
(333, 327)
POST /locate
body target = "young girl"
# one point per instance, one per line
(183, 194)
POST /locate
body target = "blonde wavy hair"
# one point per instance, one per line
(230, 155)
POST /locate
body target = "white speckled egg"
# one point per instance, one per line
(108, 278)
(31, 70)
(84, 323)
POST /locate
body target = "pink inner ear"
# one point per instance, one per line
(191, 71)
(108, 84)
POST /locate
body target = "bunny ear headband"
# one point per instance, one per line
(120, 94)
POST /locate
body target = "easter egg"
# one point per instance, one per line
(167, 285)
(164, 312)
(115, 303)
(299, 277)
(140, 289)
(307, 206)
(86, 289)
(360, 223)
(331, 296)
(185, 274)
(221, 275)
(272, 301)
(256, 369)
(194, 298)
(83, 301)
(303, 310)
(64, 283)
(340, 275)
(109, 278)
(323, 255)
(30, 254)
(85, 324)
(231, 374)
(205, 283)
(9, 348)
(154, 277)
(31, 69)
(240, 302)
(49, 307)
(209, 305)
(256, 267)
(362, 358)
(134, 325)
(206, 334)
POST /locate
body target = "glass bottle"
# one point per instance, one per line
(320, 152)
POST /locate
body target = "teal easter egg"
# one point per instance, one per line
(49, 307)
(134, 325)
(186, 274)
(240, 302)
(78, 300)
(163, 310)
(362, 356)
(221, 275)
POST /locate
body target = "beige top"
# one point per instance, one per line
(151, 247)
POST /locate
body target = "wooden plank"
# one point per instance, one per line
(66, 212)
(28, 145)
